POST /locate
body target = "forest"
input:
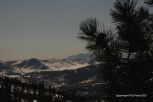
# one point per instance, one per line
(124, 54)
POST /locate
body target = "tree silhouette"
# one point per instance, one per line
(134, 36)
(149, 2)
(99, 40)
(133, 27)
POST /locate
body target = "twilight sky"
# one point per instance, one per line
(46, 28)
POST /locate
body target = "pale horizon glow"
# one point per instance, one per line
(46, 28)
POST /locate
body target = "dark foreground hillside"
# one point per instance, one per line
(128, 85)
(15, 90)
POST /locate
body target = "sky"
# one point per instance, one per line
(46, 28)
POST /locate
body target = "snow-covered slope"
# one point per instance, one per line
(31, 64)
(35, 65)
(5, 66)
(76, 69)
(72, 62)
(88, 74)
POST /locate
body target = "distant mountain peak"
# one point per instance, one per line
(32, 63)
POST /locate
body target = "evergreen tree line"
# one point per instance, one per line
(14, 90)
